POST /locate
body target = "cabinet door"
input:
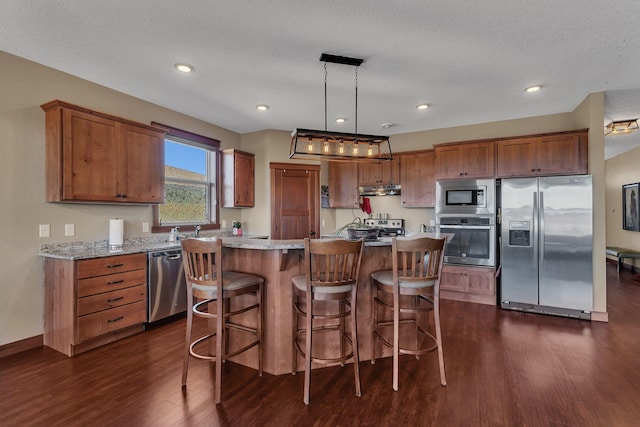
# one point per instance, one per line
(449, 162)
(142, 176)
(516, 157)
(371, 173)
(343, 185)
(478, 160)
(417, 178)
(89, 157)
(558, 154)
(453, 278)
(481, 281)
(244, 181)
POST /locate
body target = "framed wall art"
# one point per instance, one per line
(630, 207)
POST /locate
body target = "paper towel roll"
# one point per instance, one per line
(116, 232)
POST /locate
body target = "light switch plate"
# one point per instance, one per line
(145, 227)
(69, 230)
(224, 223)
(44, 230)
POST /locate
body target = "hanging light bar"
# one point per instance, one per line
(339, 146)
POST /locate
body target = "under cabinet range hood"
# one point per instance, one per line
(380, 190)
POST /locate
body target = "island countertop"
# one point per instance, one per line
(83, 250)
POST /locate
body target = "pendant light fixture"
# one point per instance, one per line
(310, 144)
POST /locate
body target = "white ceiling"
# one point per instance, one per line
(469, 60)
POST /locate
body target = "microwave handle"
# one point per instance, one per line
(467, 227)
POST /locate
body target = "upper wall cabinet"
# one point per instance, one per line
(383, 173)
(465, 160)
(559, 154)
(417, 178)
(343, 185)
(238, 179)
(95, 157)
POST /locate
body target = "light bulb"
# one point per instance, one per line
(355, 149)
(326, 146)
(341, 147)
(370, 150)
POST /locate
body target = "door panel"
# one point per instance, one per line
(295, 201)
(519, 257)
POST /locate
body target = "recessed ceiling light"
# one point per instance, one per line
(422, 106)
(262, 107)
(387, 125)
(532, 89)
(341, 120)
(185, 68)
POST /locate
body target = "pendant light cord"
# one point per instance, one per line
(356, 99)
(325, 96)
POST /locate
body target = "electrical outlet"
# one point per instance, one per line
(145, 227)
(224, 223)
(69, 230)
(45, 230)
(323, 222)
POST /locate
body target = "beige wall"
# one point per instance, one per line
(25, 86)
(621, 170)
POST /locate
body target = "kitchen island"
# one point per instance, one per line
(275, 260)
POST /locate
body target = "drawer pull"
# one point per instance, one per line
(115, 299)
(114, 265)
(116, 319)
(115, 282)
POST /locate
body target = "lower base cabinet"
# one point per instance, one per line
(466, 283)
(92, 302)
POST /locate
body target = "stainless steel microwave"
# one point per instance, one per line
(465, 196)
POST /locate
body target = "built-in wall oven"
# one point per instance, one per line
(473, 241)
(466, 208)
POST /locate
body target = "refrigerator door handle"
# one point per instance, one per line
(541, 213)
(534, 215)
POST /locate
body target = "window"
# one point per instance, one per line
(190, 182)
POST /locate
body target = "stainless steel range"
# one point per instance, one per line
(388, 227)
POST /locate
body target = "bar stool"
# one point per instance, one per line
(202, 259)
(332, 268)
(412, 287)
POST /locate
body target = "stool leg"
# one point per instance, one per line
(219, 356)
(354, 340)
(374, 325)
(341, 328)
(294, 335)
(436, 315)
(260, 328)
(187, 343)
(307, 356)
(396, 336)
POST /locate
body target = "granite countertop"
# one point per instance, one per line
(86, 250)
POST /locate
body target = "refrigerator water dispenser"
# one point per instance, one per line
(519, 233)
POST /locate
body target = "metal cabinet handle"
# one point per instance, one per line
(115, 320)
(114, 265)
(115, 282)
(115, 299)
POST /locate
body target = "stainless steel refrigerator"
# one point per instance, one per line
(546, 245)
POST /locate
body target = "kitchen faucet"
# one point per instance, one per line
(197, 233)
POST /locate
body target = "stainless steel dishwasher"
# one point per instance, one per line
(167, 294)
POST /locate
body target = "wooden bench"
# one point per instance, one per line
(621, 254)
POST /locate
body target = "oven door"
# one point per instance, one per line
(470, 244)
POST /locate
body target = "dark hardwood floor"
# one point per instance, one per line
(503, 369)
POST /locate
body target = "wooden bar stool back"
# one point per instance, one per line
(326, 293)
(209, 297)
(410, 290)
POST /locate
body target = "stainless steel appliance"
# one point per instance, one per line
(473, 241)
(380, 190)
(388, 227)
(167, 292)
(546, 245)
(465, 197)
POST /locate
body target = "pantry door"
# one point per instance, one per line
(295, 201)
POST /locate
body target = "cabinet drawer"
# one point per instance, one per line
(482, 284)
(109, 265)
(112, 282)
(108, 300)
(96, 324)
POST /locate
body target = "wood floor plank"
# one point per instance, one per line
(503, 369)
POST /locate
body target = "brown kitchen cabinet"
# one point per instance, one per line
(417, 179)
(343, 185)
(92, 302)
(382, 173)
(465, 160)
(238, 179)
(468, 283)
(95, 157)
(559, 154)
